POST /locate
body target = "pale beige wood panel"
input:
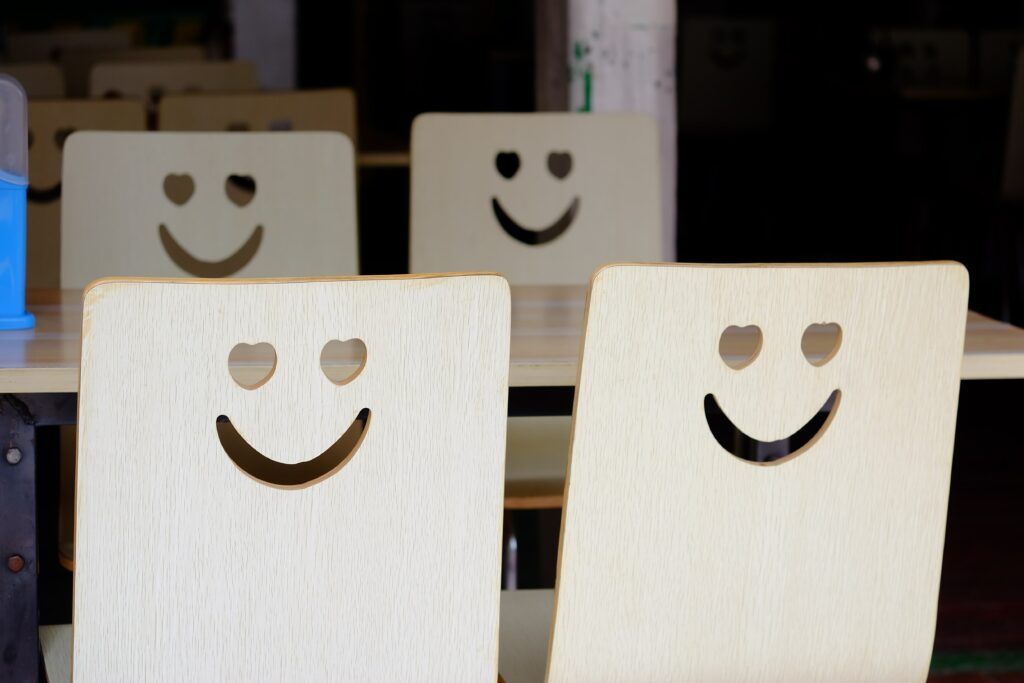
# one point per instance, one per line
(55, 642)
(42, 46)
(301, 221)
(682, 562)
(77, 63)
(40, 80)
(386, 569)
(597, 172)
(50, 123)
(525, 627)
(299, 110)
(143, 79)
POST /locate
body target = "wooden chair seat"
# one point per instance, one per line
(56, 644)
(536, 456)
(523, 637)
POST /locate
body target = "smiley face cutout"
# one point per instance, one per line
(543, 198)
(208, 205)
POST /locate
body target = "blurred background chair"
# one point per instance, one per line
(78, 63)
(680, 560)
(45, 46)
(40, 79)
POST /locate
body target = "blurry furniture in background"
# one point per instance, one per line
(403, 500)
(925, 58)
(78, 62)
(50, 123)
(543, 199)
(997, 58)
(152, 80)
(727, 75)
(41, 80)
(305, 110)
(265, 32)
(681, 561)
(1013, 166)
(47, 46)
(207, 205)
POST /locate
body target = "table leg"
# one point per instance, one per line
(19, 616)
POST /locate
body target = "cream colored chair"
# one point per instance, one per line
(150, 80)
(544, 199)
(77, 63)
(41, 80)
(355, 535)
(680, 561)
(207, 205)
(50, 123)
(297, 110)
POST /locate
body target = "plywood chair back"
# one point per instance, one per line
(151, 80)
(543, 198)
(50, 124)
(1013, 163)
(298, 110)
(78, 62)
(927, 58)
(207, 205)
(41, 80)
(378, 560)
(680, 561)
(43, 46)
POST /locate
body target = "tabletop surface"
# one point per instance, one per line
(546, 326)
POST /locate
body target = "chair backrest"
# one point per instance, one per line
(380, 564)
(151, 80)
(39, 79)
(681, 561)
(78, 62)
(41, 46)
(297, 110)
(543, 198)
(207, 205)
(50, 123)
(927, 57)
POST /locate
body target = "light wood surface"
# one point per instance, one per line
(598, 171)
(141, 79)
(546, 326)
(525, 627)
(381, 569)
(50, 123)
(680, 561)
(41, 80)
(78, 62)
(301, 221)
(310, 110)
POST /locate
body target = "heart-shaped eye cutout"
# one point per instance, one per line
(560, 164)
(240, 189)
(61, 135)
(739, 346)
(342, 361)
(820, 342)
(280, 125)
(507, 163)
(237, 127)
(252, 365)
(179, 187)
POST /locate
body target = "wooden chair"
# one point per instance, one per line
(927, 58)
(77, 63)
(681, 561)
(41, 80)
(50, 123)
(150, 80)
(47, 46)
(544, 199)
(207, 205)
(376, 560)
(298, 110)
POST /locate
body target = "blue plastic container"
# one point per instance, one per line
(13, 186)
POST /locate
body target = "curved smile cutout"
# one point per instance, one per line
(296, 475)
(44, 195)
(535, 236)
(200, 268)
(786, 445)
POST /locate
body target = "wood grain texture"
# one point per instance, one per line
(114, 194)
(50, 122)
(41, 80)
(455, 181)
(546, 324)
(385, 571)
(681, 562)
(139, 79)
(330, 109)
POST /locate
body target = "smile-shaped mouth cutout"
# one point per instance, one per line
(43, 196)
(295, 475)
(783, 450)
(535, 235)
(200, 268)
